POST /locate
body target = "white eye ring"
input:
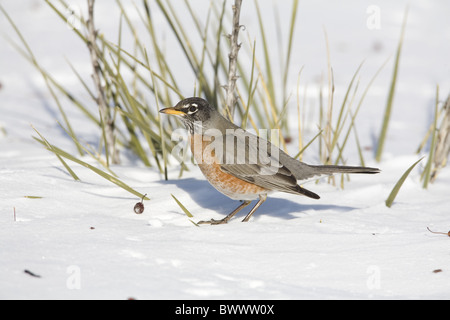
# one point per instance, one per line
(192, 108)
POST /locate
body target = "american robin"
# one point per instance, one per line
(241, 165)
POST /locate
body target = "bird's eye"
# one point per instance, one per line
(192, 109)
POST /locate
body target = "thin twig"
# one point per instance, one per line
(435, 232)
(231, 100)
(31, 273)
(108, 121)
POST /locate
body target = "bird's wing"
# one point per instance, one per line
(257, 161)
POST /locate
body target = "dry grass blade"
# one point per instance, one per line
(328, 129)
(442, 140)
(426, 176)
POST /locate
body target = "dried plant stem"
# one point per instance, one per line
(435, 232)
(231, 100)
(107, 119)
(443, 141)
(426, 175)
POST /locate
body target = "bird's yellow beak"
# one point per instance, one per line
(172, 111)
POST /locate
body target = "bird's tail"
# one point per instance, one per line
(330, 169)
(303, 171)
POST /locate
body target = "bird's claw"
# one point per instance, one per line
(213, 222)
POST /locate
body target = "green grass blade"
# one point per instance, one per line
(358, 145)
(186, 211)
(97, 156)
(64, 18)
(130, 103)
(50, 147)
(290, 42)
(116, 51)
(270, 82)
(340, 121)
(250, 90)
(218, 53)
(399, 184)
(390, 100)
(308, 144)
(61, 153)
(186, 44)
(355, 113)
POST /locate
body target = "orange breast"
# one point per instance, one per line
(228, 184)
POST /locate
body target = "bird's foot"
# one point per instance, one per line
(213, 222)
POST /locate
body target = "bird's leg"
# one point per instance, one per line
(262, 198)
(228, 217)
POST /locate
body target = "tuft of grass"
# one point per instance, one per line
(262, 108)
(138, 83)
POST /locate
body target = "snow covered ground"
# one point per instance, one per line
(82, 240)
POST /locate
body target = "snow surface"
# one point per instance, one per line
(84, 241)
